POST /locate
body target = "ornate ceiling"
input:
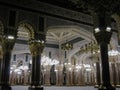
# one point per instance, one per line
(61, 35)
(55, 35)
(58, 35)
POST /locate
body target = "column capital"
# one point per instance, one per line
(36, 46)
(102, 27)
(7, 43)
(8, 38)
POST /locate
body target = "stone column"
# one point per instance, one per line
(82, 76)
(1, 58)
(7, 46)
(79, 77)
(57, 73)
(118, 74)
(114, 80)
(60, 75)
(103, 34)
(71, 76)
(98, 73)
(47, 75)
(36, 48)
(52, 75)
(64, 75)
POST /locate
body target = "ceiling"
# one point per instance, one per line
(68, 4)
(51, 38)
(54, 36)
(60, 36)
(85, 6)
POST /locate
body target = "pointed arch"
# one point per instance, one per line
(27, 26)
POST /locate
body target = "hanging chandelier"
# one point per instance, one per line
(67, 46)
(90, 47)
(47, 61)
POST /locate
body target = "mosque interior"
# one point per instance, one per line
(60, 43)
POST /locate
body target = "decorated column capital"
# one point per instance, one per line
(8, 39)
(36, 46)
(7, 43)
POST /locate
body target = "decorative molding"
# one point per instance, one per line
(29, 28)
(18, 41)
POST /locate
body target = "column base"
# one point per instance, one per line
(5, 88)
(35, 88)
(106, 88)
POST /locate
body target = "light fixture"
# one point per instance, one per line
(56, 70)
(40, 42)
(90, 47)
(86, 65)
(67, 46)
(113, 53)
(47, 61)
(11, 68)
(70, 69)
(19, 72)
(11, 71)
(78, 67)
(108, 29)
(10, 37)
(23, 67)
(88, 69)
(97, 30)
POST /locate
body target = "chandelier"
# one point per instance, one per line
(94, 49)
(113, 53)
(18, 70)
(67, 46)
(90, 47)
(47, 61)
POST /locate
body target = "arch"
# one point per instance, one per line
(81, 32)
(26, 25)
(82, 57)
(76, 49)
(74, 57)
(85, 56)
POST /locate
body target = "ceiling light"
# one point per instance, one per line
(108, 29)
(10, 37)
(88, 69)
(97, 30)
(70, 69)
